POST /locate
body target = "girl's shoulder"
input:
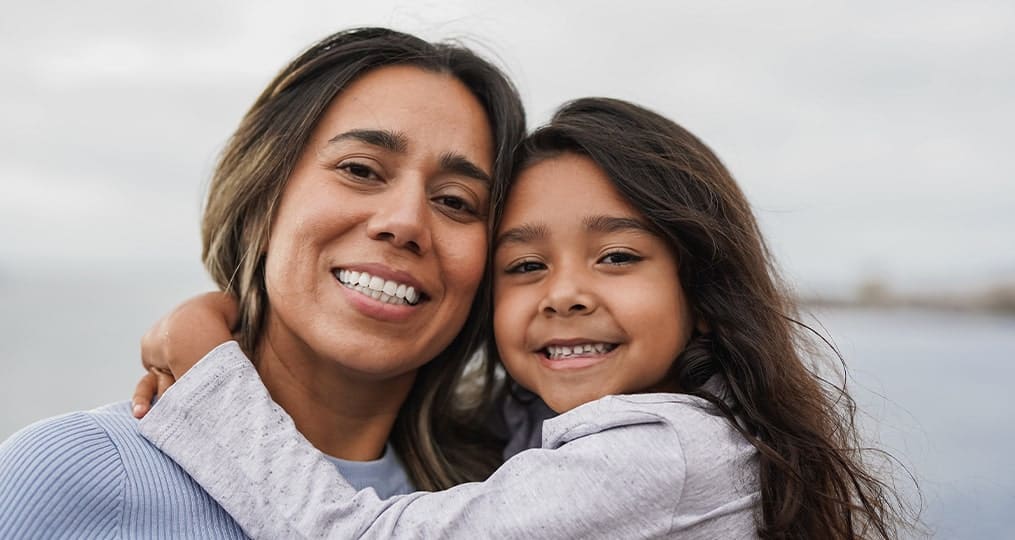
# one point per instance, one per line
(630, 411)
(681, 411)
(693, 425)
(712, 464)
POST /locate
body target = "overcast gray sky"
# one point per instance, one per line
(872, 138)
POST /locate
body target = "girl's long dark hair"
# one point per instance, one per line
(814, 481)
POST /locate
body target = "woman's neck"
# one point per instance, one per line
(342, 413)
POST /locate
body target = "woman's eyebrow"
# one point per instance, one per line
(396, 142)
(382, 138)
(459, 164)
(523, 234)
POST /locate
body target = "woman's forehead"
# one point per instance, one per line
(417, 108)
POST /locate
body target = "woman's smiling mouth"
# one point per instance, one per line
(378, 288)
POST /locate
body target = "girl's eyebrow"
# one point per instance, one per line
(601, 224)
(612, 224)
(523, 234)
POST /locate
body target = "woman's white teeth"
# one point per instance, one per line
(378, 288)
(563, 351)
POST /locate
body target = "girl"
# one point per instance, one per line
(634, 294)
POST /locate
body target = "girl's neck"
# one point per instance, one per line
(341, 413)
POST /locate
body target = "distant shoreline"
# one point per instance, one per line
(997, 300)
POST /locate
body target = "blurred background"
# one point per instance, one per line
(874, 140)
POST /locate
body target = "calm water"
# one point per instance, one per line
(934, 386)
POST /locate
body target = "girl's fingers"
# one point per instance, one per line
(143, 394)
(164, 379)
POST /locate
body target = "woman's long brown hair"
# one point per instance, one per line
(441, 441)
(814, 481)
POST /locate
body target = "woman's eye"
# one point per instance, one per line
(358, 170)
(454, 203)
(619, 258)
(526, 267)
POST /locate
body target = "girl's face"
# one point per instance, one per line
(587, 301)
(378, 244)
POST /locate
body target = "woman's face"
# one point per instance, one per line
(378, 244)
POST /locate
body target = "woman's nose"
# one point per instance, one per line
(402, 218)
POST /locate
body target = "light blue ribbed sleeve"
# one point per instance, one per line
(91, 475)
(60, 478)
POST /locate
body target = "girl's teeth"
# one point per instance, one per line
(560, 351)
(388, 291)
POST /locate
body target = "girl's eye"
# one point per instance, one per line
(526, 267)
(358, 171)
(618, 258)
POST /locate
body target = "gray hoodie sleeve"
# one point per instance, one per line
(606, 470)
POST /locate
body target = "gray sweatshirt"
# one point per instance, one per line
(626, 466)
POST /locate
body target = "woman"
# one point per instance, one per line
(292, 205)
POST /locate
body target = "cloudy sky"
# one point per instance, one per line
(873, 138)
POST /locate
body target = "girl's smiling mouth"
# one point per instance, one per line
(575, 353)
(560, 352)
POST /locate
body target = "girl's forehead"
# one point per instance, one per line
(560, 190)
(566, 201)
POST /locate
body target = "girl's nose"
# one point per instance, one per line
(567, 296)
(402, 218)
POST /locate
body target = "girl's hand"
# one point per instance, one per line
(174, 344)
(154, 383)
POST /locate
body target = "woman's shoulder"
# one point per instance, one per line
(75, 437)
(59, 471)
(91, 474)
(103, 442)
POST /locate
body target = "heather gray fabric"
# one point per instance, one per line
(631, 466)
